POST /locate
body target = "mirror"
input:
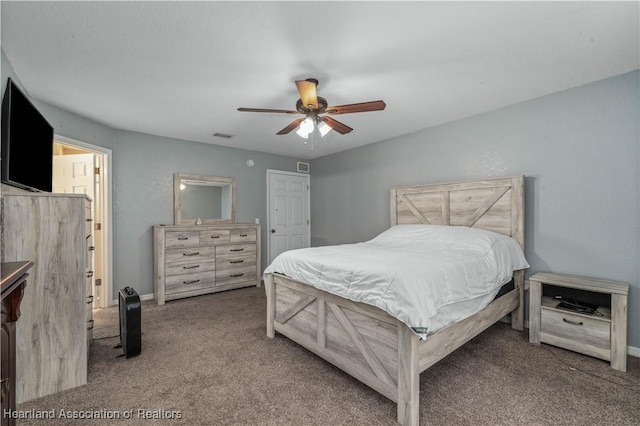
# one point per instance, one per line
(204, 199)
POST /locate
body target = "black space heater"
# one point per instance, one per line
(130, 322)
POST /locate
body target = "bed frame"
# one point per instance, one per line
(374, 347)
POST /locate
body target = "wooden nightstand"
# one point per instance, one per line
(601, 336)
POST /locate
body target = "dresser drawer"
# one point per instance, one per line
(189, 255)
(182, 239)
(235, 249)
(581, 329)
(188, 267)
(242, 235)
(235, 260)
(235, 275)
(189, 282)
(214, 237)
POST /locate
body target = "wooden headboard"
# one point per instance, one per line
(493, 204)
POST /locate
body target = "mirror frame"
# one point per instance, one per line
(177, 198)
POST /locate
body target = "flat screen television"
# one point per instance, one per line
(27, 143)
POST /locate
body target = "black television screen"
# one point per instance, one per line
(27, 143)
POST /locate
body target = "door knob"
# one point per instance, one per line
(273, 231)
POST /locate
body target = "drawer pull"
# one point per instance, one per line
(235, 275)
(243, 235)
(89, 274)
(572, 322)
(183, 238)
(90, 299)
(91, 248)
(236, 261)
(215, 236)
(191, 267)
(190, 282)
(191, 254)
(89, 220)
(241, 249)
(91, 325)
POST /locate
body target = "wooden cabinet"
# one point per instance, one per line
(602, 334)
(54, 331)
(200, 259)
(14, 276)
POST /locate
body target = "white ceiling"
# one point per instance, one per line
(181, 69)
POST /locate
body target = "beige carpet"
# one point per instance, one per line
(208, 359)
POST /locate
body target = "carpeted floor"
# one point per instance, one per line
(206, 361)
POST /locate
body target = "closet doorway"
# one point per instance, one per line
(81, 168)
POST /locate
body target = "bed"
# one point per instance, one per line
(376, 347)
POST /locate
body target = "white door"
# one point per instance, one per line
(74, 174)
(288, 212)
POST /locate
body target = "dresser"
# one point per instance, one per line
(55, 328)
(190, 260)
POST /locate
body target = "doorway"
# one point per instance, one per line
(81, 168)
(288, 217)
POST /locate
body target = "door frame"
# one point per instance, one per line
(268, 226)
(106, 192)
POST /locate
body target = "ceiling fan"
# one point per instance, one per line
(312, 106)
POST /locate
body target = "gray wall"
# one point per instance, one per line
(578, 148)
(143, 168)
(143, 171)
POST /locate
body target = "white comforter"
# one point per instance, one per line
(427, 276)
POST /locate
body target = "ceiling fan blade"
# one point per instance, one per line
(361, 107)
(290, 127)
(308, 93)
(285, 111)
(336, 125)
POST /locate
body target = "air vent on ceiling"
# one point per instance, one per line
(303, 167)
(223, 135)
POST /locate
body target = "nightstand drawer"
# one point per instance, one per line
(581, 329)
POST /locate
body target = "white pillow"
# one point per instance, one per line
(442, 237)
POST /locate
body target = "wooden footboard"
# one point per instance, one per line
(361, 340)
(368, 343)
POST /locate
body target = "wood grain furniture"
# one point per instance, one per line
(14, 281)
(373, 346)
(601, 336)
(201, 259)
(54, 332)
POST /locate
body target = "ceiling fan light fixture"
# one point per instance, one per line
(306, 127)
(302, 134)
(324, 128)
(312, 106)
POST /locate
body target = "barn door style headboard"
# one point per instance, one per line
(493, 204)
